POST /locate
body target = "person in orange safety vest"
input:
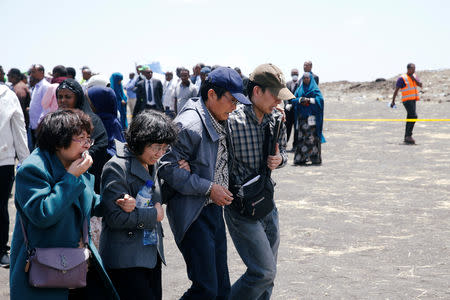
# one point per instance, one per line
(408, 84)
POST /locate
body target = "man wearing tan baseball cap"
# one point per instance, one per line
(256, 241)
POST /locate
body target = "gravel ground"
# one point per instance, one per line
(371, 223)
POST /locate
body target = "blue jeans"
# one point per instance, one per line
(257, 243)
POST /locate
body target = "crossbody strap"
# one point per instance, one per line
(25, 237)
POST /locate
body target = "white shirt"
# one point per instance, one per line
(35, 104)
(13, 136)
(183, 93)
(147, 82)
(169, 94)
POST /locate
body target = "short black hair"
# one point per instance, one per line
(1, 70)
(38, 67)
(71, 71)
(250, 86)
(409, 65)
(150, 127)
(206, 86)
(58, 128)
(59, 71)
(14, 72)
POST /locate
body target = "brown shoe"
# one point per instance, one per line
(409, 140)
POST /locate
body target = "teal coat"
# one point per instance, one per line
(53, 205)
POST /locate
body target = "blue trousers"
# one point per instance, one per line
(204, 249)
(257, 244)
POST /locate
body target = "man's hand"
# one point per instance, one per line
(159, 211)
(127, 203)
(273, 161)
(220, 195)
(182, 164)
(393, 103)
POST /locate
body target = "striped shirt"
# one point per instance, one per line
(221, 168)
(247, 136)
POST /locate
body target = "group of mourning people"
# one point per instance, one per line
(88, 161)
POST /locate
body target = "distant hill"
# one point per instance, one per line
(436, 88)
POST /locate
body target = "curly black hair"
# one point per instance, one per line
(150, 127)
(58, 128)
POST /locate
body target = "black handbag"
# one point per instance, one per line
(254, 199)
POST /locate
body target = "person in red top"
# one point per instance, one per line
(408, 84)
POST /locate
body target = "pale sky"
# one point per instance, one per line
(346, 40)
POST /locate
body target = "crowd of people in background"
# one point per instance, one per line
(194, 140)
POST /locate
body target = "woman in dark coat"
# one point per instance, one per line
(104, 101)
(70, 95)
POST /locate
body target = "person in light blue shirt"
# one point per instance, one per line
(131, 92)
(37, 74)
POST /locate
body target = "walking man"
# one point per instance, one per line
(256, 241)
(408, 84)
(195, 208)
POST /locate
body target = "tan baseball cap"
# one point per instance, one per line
(271, 77)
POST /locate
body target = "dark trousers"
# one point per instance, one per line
(204, 249)
(410, 107)
(6, 183)
(94, 290)
(138, 283)
(290, 118)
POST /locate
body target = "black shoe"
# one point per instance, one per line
(409, 140)
(4, 260)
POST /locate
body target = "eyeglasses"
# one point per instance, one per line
(84, 142)
(159, 148)
(233, 100)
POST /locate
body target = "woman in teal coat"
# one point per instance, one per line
(54, 195)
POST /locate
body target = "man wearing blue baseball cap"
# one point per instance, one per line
(255, 232)
(195, 183)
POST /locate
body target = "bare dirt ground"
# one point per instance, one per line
(373, 222)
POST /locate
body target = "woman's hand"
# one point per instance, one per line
(127, 203)
(159, 211)
(80, 165)
(182, 164)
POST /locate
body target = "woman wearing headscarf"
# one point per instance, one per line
(49, 102)
(70, 95)
(116, 85)
(308, 107)
(104, 101)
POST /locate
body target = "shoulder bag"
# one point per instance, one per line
(254, 198)
(57, 267)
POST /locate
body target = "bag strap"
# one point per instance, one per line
(270, 140)
(25, 237)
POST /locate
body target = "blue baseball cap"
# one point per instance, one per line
(229, 80)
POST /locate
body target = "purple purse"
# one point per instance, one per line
(57, 267)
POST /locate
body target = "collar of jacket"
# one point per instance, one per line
(136, 168)
(198, 105)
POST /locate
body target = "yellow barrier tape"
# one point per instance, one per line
(388, 120)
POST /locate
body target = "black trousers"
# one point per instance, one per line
(138, 283)
(6, 183)
(290, 118)
(410, 107)
(94, 290)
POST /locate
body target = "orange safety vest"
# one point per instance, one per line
(409, 92)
